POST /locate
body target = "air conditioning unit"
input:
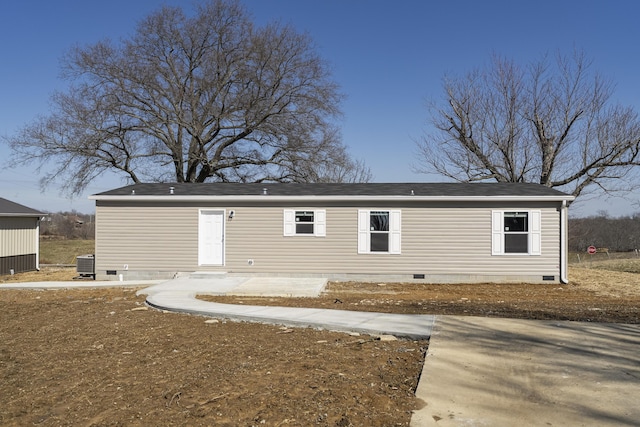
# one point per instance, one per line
(86, 265)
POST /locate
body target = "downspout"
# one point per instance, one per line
(38, 244)
(564, 278)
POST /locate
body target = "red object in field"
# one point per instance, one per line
(591, 250)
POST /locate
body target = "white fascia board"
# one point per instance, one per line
(263, 198)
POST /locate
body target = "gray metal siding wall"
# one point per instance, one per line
(440, 239)
(17, 263)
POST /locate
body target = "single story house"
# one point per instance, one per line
(19, 238)
(428, 232)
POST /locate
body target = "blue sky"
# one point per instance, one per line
(389, 58)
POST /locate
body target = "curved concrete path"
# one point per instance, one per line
(180, 295)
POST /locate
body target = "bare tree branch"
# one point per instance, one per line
(550, 123)
(191, 99)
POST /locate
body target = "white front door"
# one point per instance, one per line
(211, 238)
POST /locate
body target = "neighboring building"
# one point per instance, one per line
(439, 232)
(19, 238)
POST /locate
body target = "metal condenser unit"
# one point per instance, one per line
(86, 265)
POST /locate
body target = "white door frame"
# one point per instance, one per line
(211, 237)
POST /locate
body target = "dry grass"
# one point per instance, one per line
(64, 251)
(46, 274)
(622, 265)
(601, 257)
(612, 278)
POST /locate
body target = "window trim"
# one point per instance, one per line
(319, 223)
(534, 233)
(364, 232)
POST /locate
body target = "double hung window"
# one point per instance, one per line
(379, 231)
(516, 232)
(305, 223)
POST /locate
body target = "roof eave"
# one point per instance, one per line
(23, 215)
(275, 198)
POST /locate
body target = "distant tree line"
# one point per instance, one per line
(619, 234)
(68, 225)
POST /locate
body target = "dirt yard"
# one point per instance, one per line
(99, 357)
(592, 296)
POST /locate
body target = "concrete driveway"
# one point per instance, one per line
(508, 372)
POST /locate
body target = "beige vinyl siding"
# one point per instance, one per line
(257, 234)
(434, 241)
(161, 238)
(439, 239)
(18, 236)
(459, 242)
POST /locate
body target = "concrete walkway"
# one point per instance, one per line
(180, 295)
(86, 284)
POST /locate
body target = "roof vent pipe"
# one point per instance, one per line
(264, 191)
(171, 190)
(412, 193)
(133, 192)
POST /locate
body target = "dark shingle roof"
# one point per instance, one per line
(9, 208)
(439, 189)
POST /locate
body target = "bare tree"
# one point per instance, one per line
(549, 123)
(190, 99)
(346, 170)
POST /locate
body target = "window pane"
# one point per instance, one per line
(516, 243)
(304, 228)
(304, 222)
(379, 242)
(379, 221)
(304, 216)
(516, 221)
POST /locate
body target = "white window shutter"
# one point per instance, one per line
(497, 239)
(363, 232)
(535, 232)
(395, 225)
(289, 222)
(320, 226)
